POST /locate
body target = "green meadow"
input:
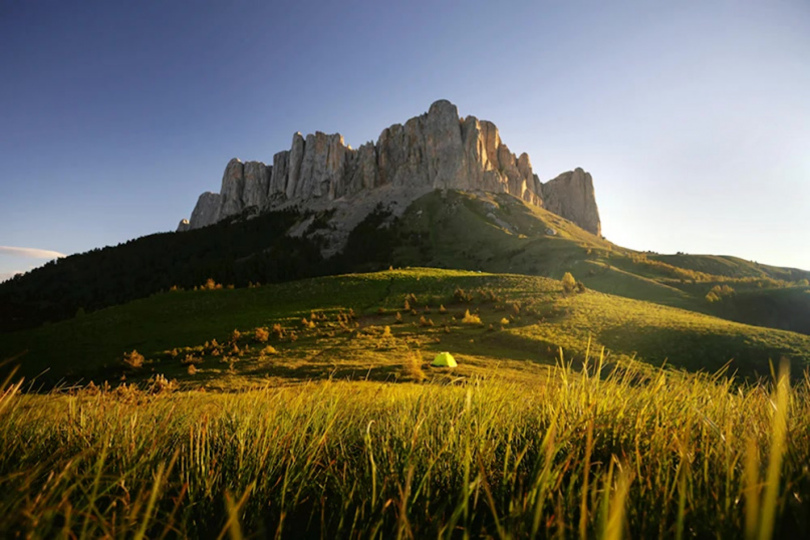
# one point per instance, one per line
(337, 325)
(310, 409)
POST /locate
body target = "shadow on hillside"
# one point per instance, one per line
(698, 351)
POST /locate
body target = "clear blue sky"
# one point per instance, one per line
(693, 117)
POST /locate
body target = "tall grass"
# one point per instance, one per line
(637, 453)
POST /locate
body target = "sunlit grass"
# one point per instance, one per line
(635, 452)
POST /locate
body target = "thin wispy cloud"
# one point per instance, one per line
(8, 275)
(31, 253)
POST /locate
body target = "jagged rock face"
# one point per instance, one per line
(322, 168)
(233, 187)
(184, 225)
(437, 150)
(443, 146)
(281, 170)
(244, 185)
(256, 184)
(571, 196)
(362, 170)
(206, 211)
(296, 157)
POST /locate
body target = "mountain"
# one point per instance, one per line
(437, 150)
(439, 191)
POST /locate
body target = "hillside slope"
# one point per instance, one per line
(444, 229)
(498, 233)
(335, 326)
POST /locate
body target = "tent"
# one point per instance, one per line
(444, 359)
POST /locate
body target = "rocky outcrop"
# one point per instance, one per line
(233, 187)
(256, 184)
(206, 211)
(571, 196)
(437, 150)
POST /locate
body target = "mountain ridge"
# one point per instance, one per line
(436, 150)
(490, 232)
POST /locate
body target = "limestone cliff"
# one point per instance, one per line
(437, 150)
(571, 196)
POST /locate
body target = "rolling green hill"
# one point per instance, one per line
(336, 326)
(499, 233)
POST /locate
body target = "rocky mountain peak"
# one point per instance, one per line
(436, 150)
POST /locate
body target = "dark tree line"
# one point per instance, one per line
(238, 252)
(235, 253)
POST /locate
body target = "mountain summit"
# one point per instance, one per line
(436, 150)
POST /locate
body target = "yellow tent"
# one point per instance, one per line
(444, 359)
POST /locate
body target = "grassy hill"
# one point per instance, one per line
(495, 233)
(336, 326)
(499, 233)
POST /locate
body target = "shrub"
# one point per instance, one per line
(459, 295)
(471, 318)
(133, 359)
(568, 282)
(425, 322)
(268, 350)
(719, 292)
(159, 384)
(192, 369)
(412, 368)
(261, 334)
(442, 309)
(488, 295)
(504, 321)
(210, 285)
(190, 359)
(398, 318)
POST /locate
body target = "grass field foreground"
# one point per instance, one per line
(637, 453)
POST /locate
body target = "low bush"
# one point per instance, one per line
(133, 359)
(470, 318)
